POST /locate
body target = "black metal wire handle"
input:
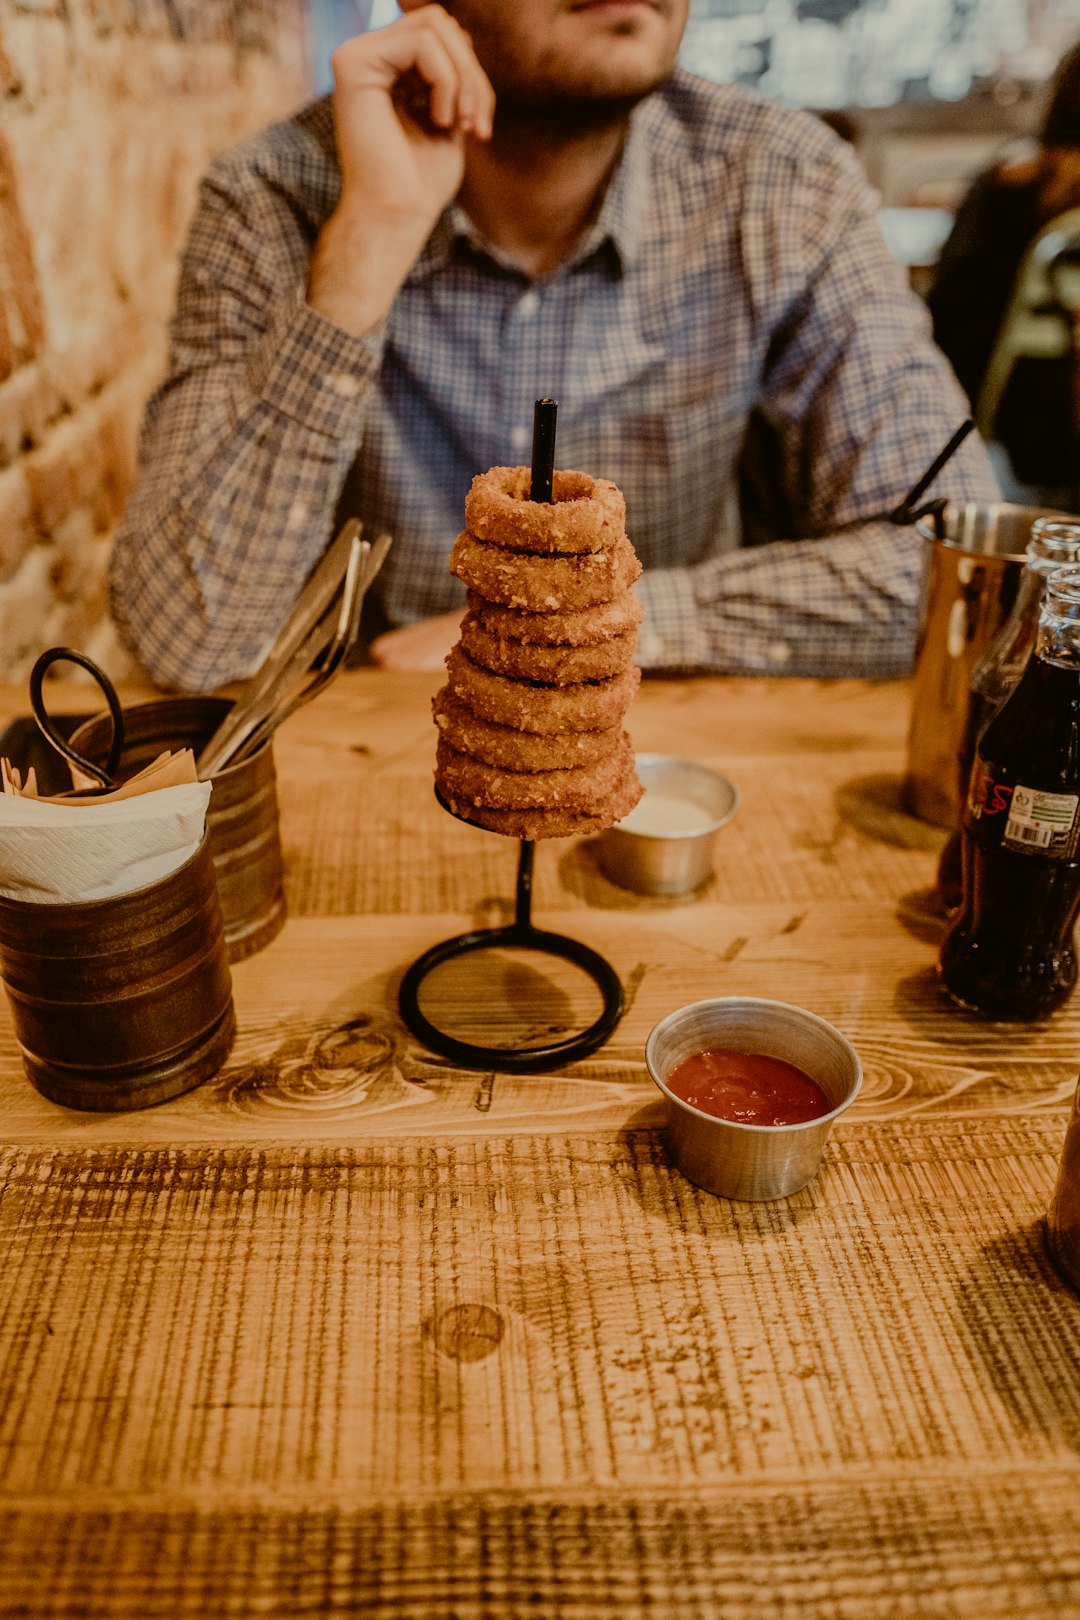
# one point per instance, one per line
(105, 775)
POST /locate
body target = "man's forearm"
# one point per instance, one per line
(248, 444)
(357, 270)
(243, 465)
(842, 606)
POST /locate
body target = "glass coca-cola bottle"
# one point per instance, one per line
(1009, 953)
(1053, 543)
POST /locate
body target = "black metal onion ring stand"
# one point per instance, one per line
(521, 934)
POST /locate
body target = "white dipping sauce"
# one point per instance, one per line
(658, 815)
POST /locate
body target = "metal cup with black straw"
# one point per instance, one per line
(521, 934)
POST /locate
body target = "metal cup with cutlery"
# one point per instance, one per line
(233, 738)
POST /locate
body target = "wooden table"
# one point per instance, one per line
(351, 1331)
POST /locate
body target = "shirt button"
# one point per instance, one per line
(344, 386)
(519, 438)
(528, 304)
(778, 652)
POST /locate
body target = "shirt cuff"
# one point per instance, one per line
(671, 636)
(312, 371)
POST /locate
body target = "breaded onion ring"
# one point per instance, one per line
(534, 824)
(544, 584)
(586, 514)
(560, 666)
(518, 750)
(546, 710)
(583, 629)
(585, 790)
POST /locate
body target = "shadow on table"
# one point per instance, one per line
(875, 805)
(1021, 1324)
(580, 875)
(923, 1005)
(506, 996)
(919, 913)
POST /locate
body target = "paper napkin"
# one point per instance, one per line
(56, 851)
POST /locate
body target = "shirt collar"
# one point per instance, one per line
(619, 223)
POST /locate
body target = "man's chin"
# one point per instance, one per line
(614, 69)
(562, 111)
(602, 52)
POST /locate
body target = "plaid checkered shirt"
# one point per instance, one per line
(734, 271)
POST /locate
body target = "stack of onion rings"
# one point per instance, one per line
(531, 739)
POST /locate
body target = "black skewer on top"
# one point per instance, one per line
(521, 934)
(541, 484)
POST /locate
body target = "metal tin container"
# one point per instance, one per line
(242, 821)
(970, 582)
(665, 863)
(122, 1002)
(1063, 1219)
(741, 1161)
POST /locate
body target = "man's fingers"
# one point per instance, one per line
(436, 66)
(476, 99)
(422, 646)
(431, 44)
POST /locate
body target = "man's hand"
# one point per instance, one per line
(405, 98)
(420, 646)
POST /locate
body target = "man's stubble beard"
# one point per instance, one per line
(563, 116)
(551, 99)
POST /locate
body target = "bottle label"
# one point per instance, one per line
(1043, 823)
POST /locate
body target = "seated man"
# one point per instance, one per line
(379, 288)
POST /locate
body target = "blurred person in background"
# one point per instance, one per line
(513, 198)
(1038, 420)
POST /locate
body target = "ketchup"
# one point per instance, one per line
(748, 1088)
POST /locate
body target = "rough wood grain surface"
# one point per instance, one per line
(351, 1331)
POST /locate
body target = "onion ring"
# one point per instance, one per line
(560, 666)
(518, 750)
(544, 710)
(536, 824)
(586, 514)
(585, 629)
(544, 584)
(586, 790)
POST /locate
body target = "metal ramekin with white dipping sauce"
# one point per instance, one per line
(665, 845)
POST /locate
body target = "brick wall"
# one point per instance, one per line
(109, 112)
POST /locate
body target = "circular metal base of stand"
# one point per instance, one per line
(514, 1059)
(518, 935)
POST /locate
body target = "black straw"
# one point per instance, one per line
(543, 449)
(905, 512)
(540, 489)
